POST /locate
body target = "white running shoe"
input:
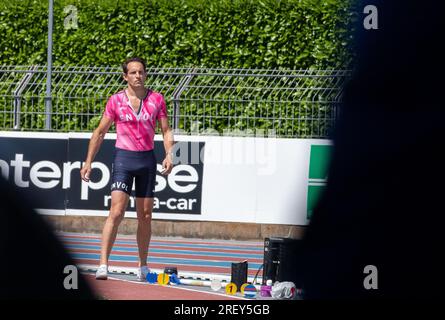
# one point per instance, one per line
(102, 272)
(142, 272)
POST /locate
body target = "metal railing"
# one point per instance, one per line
(289, 103)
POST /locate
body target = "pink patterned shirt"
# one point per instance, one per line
(135, 131)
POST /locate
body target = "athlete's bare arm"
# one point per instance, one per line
(169, 142)
(94, 146)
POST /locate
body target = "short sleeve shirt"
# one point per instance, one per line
(135, 131)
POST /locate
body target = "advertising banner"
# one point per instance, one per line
(179, 192)
(215, 178)
(37, 166)
(48, 169)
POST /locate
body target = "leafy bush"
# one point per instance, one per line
(288, 34)
(260, 34)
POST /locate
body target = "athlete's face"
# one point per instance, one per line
(136, 74)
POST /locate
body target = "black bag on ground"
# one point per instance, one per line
(239, 274)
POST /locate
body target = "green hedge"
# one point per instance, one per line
(288, 34)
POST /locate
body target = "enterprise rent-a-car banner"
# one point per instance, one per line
(257, 179)
(49, 169)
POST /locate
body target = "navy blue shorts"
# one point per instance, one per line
(139, 166)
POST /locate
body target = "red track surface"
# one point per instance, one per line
(125, 290)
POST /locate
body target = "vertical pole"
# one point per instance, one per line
(17, 110)
(48, 101)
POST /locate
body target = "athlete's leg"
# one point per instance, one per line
(144, 208)
(119, 202)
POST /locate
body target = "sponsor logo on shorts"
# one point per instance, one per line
(119, 186)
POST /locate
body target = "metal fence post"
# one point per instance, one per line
(176, 95)
(18, 97)
(48, 98)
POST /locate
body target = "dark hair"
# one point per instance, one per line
(133, 59)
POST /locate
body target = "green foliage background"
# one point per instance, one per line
(266, 34)
(288, 34)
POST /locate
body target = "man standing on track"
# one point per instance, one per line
(135, 111)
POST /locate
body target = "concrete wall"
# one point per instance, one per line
(177, 228)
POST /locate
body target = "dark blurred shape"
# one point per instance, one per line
(171, 270)
(384, 201)
(280, 260)
(32, 258)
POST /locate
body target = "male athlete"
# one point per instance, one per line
(135, 111)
